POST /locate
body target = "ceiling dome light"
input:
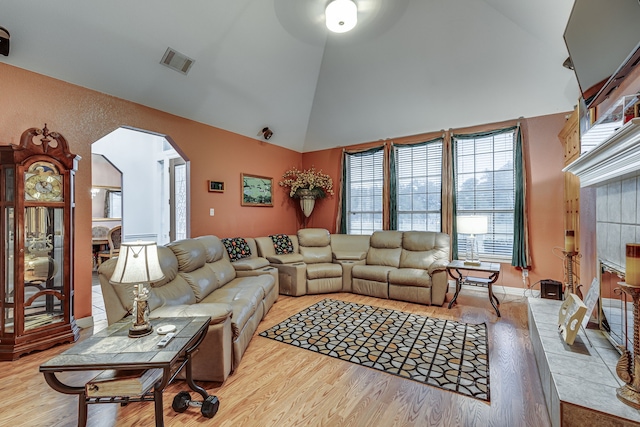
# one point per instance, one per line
(341, 15)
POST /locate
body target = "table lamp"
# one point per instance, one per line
(472, 225)
(138, 264)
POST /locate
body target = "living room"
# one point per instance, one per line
(32, 97)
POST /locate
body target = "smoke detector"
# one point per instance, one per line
(177, 61)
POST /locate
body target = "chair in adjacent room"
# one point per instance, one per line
(114, 238)
(98, 241)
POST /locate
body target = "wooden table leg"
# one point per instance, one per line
(494, 300)
(54, 383)
(458, 285)
(189, 375)
(157, 403)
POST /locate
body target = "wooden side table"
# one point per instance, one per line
(112, 348)
(454, 269)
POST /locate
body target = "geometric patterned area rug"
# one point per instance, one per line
(441, 353)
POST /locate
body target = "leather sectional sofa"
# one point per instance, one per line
(408, 266)
(200, 279)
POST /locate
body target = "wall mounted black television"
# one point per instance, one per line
(603, 40)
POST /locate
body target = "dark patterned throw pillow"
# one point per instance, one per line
(282, 244)
(237, 248)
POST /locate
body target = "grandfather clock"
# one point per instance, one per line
(36, 237)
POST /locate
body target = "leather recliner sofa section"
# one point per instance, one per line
(322, 275)
(201, 281)
(408, 266)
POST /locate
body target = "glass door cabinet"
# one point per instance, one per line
(36, 236)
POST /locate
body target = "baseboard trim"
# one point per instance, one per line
(85, 322)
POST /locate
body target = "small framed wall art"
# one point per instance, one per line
(216, 187)
(256, 190)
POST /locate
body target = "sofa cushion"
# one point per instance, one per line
(217, 311)
(415, 259)
(388, 257)
(214, 249)
(243, 294)
(421, 249)
(282, 244)
(285, 258)
(222, 271)
(176, 292)
(378, 273)
(387, 239)
(385, 249)
(190, 253)
(237, 248)
(202, 282)
(313, 255)
(323, 270)
(410, 277)
(266, 281)
(314, 237)
(349, 255)
(350, 242)
(419, 240)
(250, 264)
(168, 265)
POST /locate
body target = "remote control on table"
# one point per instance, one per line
(164, 341)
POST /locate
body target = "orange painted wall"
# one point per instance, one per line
(84, 116)
(544, 193)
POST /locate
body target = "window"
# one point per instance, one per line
(485, 186)
(364, 183)
(419, 186)
(114, 205)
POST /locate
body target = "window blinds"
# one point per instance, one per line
(365, 181)
(485, 185)
(419, 186)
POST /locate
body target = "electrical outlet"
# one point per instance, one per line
(211, 212)
(525, 272)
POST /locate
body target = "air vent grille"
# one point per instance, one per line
(177, 61)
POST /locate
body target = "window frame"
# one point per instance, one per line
(491, 212)
(378, 181)
(397, 177)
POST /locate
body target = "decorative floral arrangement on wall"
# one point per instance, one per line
(317, 183)
(307, 185)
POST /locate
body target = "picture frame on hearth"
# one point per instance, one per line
(216, 187)
(256, 190)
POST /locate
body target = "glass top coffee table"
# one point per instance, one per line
(113, 349)
(492, 268)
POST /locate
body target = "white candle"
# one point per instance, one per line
(569, 241)
(632, 273)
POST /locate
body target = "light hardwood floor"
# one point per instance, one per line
(280, 385)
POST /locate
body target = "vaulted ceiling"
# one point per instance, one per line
(409, 66)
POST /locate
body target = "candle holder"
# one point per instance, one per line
(628, 367)
(569, 257)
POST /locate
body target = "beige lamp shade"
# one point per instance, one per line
(472, 224)
(137, 263)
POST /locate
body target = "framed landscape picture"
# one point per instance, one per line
(256, 190)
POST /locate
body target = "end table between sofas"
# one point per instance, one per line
(493, 268)
(112, 348)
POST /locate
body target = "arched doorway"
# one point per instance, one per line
(155, 185)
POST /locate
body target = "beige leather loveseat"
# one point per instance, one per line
(407, 266)
(201, 281)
